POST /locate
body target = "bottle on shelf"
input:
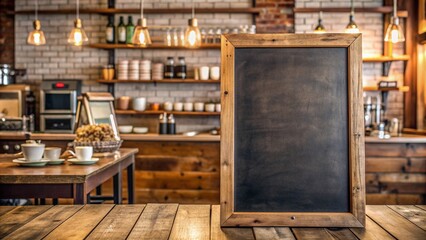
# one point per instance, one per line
(110, 31)
(162, 127)
(130, 28)
(171, 125)
(181, 68)
(121, 29)
(169, 71)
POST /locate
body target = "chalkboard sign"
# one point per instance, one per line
(292, 149)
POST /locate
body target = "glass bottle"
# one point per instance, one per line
(181, 68)
(121, 29)
(110, 30)
(130, 28)
(170, 67)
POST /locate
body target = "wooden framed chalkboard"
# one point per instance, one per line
(292, 146)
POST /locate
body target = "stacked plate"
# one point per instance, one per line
(145, 70)
(157, 71)
(134, 70)
(123, 70)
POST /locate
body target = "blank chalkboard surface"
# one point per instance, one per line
(291, 130)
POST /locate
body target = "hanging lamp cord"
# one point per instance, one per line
(352, 8)
(394, 9)
(193, 10)
(36, 9)
(142, 9)
(78, 15)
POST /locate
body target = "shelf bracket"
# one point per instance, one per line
(386, 68)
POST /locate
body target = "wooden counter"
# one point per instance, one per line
(200, 222)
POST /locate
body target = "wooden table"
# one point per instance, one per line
(67, 180)
(173, 221)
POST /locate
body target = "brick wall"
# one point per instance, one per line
(371, 26)
(276, 16)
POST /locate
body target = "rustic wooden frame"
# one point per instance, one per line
(356, 216)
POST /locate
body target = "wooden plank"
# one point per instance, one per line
(118, 223)
(422, 207)
(192, 222)
(44, 223)
(177, 195)
(385, 150)
(6, 209)
(152, 112)
(81, 224)
(341, 233)
(392, 199)
(177, 180)
(312, 233)
(382, 164)
(227, 233)
(398, 177)
(403, 188)
(273, 233)
(412, 213)
(416, 150)
(155, 222)
(394, 223)
(372, 231)
(18, 217)
(175, 163)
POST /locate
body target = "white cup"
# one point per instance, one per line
(199, 106)
(209, 107)
(83, 153)
(218, 107)
(139, 104)
(204, 73)
(168, 106)
(178, 106)
(32, 152)
(215, 73)
(188, 107)
(52, 153)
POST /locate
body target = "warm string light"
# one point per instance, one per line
(192, 34)
(394, 31)
(77, 35)
(352, 27)
(141, 35)
(36, 37)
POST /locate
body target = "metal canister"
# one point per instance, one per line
(7, 74)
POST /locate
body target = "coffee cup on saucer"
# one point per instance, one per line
(32, 151)
(52, 153)
(83, 153)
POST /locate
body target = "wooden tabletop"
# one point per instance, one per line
(173, 221)
(11, 173)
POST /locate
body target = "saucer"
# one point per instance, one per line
(80, 162)
(56, 162)
(25, 163)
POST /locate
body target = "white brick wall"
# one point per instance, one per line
(371, 26)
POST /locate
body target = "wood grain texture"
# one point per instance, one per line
(155, 222)
(394, 198)
(177, 180)
(177, 195)
(18, 217)
(395, 224)
(382, 164)
(412, 213)
(312, 233)
(227, 233)
(341, 233)
(421, 207)
(43, 224)
(192, 222)
(372, 231)
(273, 233)
(118, 223)
(5, 209)
(81, 223)
(385, 150)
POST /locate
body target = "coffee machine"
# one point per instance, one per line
(373, 113)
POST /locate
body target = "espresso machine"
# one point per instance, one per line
(373, 113)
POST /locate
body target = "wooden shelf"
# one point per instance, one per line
(382, 59)
(145, 11)
(188, 80)
(384, 9)
(153, 46)
(376, 88)
(151, 112)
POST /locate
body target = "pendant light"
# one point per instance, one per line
(77, 35)
(319, 28)
(36, 36)
(394, 31)
(192, 34)
(141, 35)
(352, 27)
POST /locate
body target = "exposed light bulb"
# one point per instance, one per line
(319, 28)
(36, 37)
(141, 35)
(352, 27)
(394, 31)
(192, 34)
(77, 35)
